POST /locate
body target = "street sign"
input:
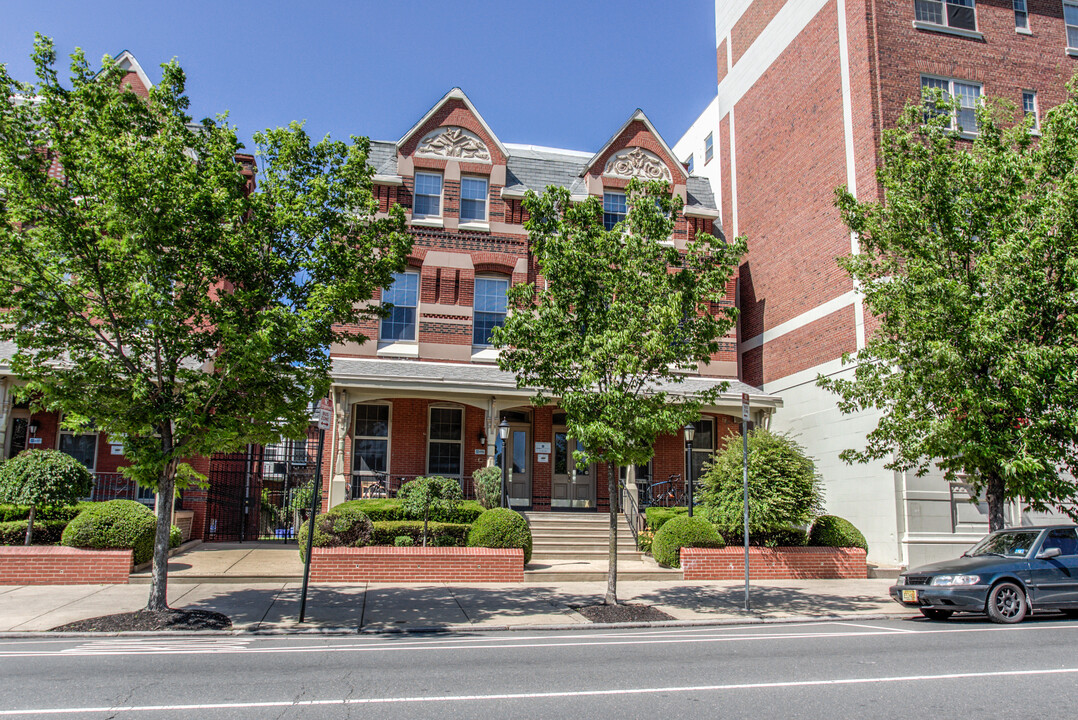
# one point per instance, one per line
(745, 406)
(323, 415)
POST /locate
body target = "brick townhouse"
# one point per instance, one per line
(805, 88)
(424, 396)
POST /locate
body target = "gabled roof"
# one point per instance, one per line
(454, 94)
(638, 115)
(128, 62)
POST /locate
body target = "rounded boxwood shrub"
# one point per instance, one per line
(502, 528)
(114, 524)
(682, 531)
(833, 531)
(403, 541)
(345, 525)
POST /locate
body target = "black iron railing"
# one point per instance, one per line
(114, 486)
(368, 484)
(631, 509)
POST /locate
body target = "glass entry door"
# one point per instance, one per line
(572, 487)
(518, 469)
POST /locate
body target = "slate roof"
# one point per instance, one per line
(425, 375)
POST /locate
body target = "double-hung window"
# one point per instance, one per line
(689, 162)
(703, 447)
(968, 95)
(614, 209)
(403, 295)
(81, 445)
(473, 199)
(1070, 19)
(370, 448)
(1021, 15)
(446, 439)
(490, 308)
(1029, 107)
(957, 14)
(428, 195)
(709, 148)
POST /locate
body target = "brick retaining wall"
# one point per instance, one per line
(57, 565)
(417, 564)
(815, 563)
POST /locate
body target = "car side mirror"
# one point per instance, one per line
(1049, 553)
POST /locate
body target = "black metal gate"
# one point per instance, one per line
(263, 493)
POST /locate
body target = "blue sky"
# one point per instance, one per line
(556, 73)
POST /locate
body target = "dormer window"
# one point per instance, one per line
(428, 195)
(614, 209)
(473, 199)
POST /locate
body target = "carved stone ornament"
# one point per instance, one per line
(639, 163)
(453, 142)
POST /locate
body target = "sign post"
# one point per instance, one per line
(745, 464)
(323, 415)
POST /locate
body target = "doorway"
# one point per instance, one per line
(572, 485)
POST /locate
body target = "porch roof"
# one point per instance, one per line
(421, 376)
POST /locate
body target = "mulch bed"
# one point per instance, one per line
(144, 620)
(627, 612)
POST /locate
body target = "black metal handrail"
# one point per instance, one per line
(631, 509)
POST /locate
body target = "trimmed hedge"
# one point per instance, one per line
(114, 524)
(391, 510)
(679, 532)
(502, 528)
(775, 537)
(67, 513)
(46, 532)
(833, 531)
(439, 534)
(403, 541)
(657, 516)
(345, 525)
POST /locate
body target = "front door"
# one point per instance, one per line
(519, 467)
(572, 487)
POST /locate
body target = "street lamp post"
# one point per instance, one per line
(503, 433)
(690, 434)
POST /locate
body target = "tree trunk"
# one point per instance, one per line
(612, 564)
(166, 489)
(30, 526)
(996, 500)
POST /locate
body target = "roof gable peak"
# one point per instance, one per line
(675, 167)
(454, 94)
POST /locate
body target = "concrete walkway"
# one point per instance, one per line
(258, 586)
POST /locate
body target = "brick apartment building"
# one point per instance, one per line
(424, 395)
(805, 88)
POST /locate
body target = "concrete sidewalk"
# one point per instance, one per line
(394, 607)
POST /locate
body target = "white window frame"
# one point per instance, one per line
(486, 200)
(709, 147)
(1021, 16)
(1036, 111)
(460, 442)
(417, 194)
(943, 24)
(356, 437)
(415, 322)
(72, 433)
(1071, 49)
(624, 197)
(690, 163)
(488, 278)
(950, 93)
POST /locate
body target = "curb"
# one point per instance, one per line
(455, 629)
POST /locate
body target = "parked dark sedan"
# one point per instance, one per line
(1006, 575)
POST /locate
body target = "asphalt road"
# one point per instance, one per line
(893, 668)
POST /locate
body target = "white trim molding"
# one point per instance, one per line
(805, 318)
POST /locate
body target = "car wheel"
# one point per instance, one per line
(934, 614)
(1007, 603)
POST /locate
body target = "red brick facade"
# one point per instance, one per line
(774, 563)
(417, 564)
(56, 565)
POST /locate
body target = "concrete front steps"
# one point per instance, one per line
(574, 547)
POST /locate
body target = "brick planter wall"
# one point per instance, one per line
(57, 565)
(808, 563)
(417, 564)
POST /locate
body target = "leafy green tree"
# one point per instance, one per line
(617, 315)
(43, 477)
(154, 294)
(969, 263)
(418, 497)
(784, 492)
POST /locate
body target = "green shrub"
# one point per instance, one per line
(439, 534)
(43, 477)
(679, 532)
(776, 537)
(67, 513)
(175, 537)
(784, 489)
(656, 516)
(833, 531)
(403, 541)
(114, 524)
(488, 486)
(345, 525)
(46, 532)
(502, 528)
(391, 509)
(420, 496)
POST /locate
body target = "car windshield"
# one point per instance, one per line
(1012, 543)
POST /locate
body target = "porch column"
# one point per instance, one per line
(492, 430)
(5, 407)
(339, 479)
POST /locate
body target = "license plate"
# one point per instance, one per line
(909, 596)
